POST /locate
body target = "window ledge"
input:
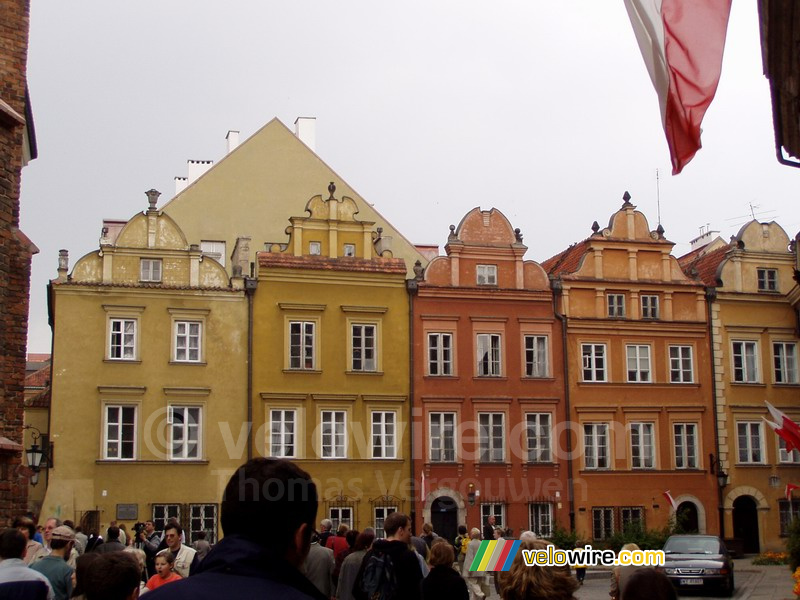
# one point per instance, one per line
(492, 463)
(122, 361)
(189, 363)
(490, 378)
(364, 372)
(445, 377)
(527, 378)
(115, 461)
(749, 383)
(540, 464)
(751, 465)
(794, 465)
(303, 371)
(795, 384)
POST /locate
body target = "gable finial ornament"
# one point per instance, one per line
(452, 236)
(660, 230)
(152, 198)
(418, 270)
(626, 197)
(595, 227)
(331, 190)
(518, 235)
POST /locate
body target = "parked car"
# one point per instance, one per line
(698, 562)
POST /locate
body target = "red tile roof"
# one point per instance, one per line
(703, 267)
(40, 400)
(568, 260)
(39, 378)
(375, 265)
(33, 357)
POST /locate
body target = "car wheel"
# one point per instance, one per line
(729, 587)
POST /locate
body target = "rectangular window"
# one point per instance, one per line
(162, 513)
(745, 362)
(443, 437)
(541, 518)
(685, 442)
(120, 432)
(536, 356)
(785, 361)
(187, 341)
(150, 270)
(186, 429)
(594, 362)
(122, 342)
(440, 354)
(349, 250)
(538, 433)
(364, 348)
(214, 249)
(650, 307)
(491, 437)
(498, 511)
(381, 512)
(202, 517)
(301, 345)
(341, 515)
(638, 364)
(602, 522)
(383, 435)
(487, 274)
(785, 456)
(631, 516)
(767, 280)
(282, 433)
(788, 512)
(680, 364)
(489, 355)
(314, 248)
(595, 444)
(334, 443)
(616, 305)
(749, 438)
(642, 446)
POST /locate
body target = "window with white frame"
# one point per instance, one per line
(122, 339)
(594, 362)
(440, 354)
(489, 364)
(767, 280)
(496, 510)
(214, 249)
(787, 512)
(681, 369)
(163, 513)
(443, 436)
(638, 358)
(188, 341)
(349, 250)
(120, 429)
(302, 355)
(616, 305)
(381, 512)
(536, 356)
(602, 522)
(685, 444)
(784, 355)
(150, 270)
(642, 446)
(595, 445)
(540, 518)
(314, 248)
(538, 434)
(202, 517)
(282, 431)
(745, 361)
(650, 307)
(784, 456)
(487, 274)
(749, 436)
(341, 515)
(186, 429)
(363, 340)
(334, 443)
(491, 437)
(631, 516)
(383, 434)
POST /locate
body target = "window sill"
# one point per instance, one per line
(303, 371)
(540, 463)
(490, 378)
(639, 382)
(124, 461)
(123, 361)
(751, 465)
(794, 465)
(532, 378)
(493, 463)
(749, 384)
(189, 363)
(790, 385)
(364, 372)
(445, 377)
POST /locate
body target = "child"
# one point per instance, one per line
(580, 570)
(164, 574)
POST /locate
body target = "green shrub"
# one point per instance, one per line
(772, 558)
(563, 538)
(646, 539)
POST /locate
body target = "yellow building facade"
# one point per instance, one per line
(331, 361)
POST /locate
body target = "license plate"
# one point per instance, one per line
(691, 582)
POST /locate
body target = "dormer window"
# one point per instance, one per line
(616, 305)
(150, 270)
(314, 248)
(650, 307)
(350, 250)
(767, 280)
(487, 274)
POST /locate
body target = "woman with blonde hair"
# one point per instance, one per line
(620, 575)
(538, 582)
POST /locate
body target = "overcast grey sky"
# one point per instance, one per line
(428, 108)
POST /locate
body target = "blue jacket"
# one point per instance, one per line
(236, 568)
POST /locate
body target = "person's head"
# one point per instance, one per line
(475, 534)
(497, 533)
(326, 525)
(172, 535)
(427, 528)
(123, 528)
(351, 537)
(364, 539)
(521, 582)
(342, 529)
(70, 524)
(62, 539)
(490, 520)
(149, 527)
(272, 502)
(648, 584)
(201, 535)
(81, 567)
(12, 544)
(112, 576)
(462, 530)
(112, 534)
(26, 527)
(165, 561)
(441, 555)
(631, 547)
(139, 555)
(527, 535)
(397, 527)
(49, 525)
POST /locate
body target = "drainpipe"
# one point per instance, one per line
(711, 296)
(412, 285)
(556, 286)
(250, 285)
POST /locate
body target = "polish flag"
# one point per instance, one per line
(789, 488)
(784, 427)
(682, 43)
(671, 500)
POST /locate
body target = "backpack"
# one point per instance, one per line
(379, 580)
(464, 544)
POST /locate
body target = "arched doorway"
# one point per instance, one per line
(444, 517)
(686, 518)
(745, 523)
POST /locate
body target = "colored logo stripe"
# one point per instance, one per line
(487, 556)
(512, 552)
(476, 562)
(495, 555)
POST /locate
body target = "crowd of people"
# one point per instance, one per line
(272, 550)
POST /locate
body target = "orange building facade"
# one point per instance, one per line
(487, 385)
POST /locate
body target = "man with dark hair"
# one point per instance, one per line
(27, 528)
(54, 566)
(267, 514)
(488, 528)
(112, 576)
(16, 579)
(112, 543)
(185, 557)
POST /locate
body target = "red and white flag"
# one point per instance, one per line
(682, 43)
(789, 488)
(784, 427)
(671, 500)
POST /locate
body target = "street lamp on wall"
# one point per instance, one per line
(34, 454)
(722, 476)
(471, 494)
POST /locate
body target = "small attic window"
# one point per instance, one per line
(214, 249)
(314, 248)
(150, 270)
(350, 250)
(767, 280)
(487, 275)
